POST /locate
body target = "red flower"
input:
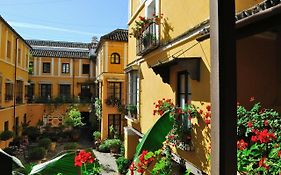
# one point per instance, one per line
(265, 123)
(252, 99)
(207, 121)
(263, 164)
(208, 107)
(250, 124)
(83, 157)
(132, 168)
(263, 136)
(241, 144)
(279, 153)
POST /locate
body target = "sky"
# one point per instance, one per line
(65, 20)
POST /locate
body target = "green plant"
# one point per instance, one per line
(70, 146)
(96, 135)
(122, 164)
(73, 118)
(32, 132)
(258, 145)
(6, 135)
(45, 143)
(36, 153)
(98, 108)
(104, 148)
(132, 109)
(143, 23)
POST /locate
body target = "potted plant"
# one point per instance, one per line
(132, 110)
(6, 135)
(74, 121)
(114, 145)
(122, 165)
(97, 139)
(149, 39)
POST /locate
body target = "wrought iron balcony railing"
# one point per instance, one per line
(148, 40)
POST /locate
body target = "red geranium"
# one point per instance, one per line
(83, 157)
(241, 144)
(263, 136)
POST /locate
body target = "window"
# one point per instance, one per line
(9, 49)
(65, 90)
(46, 90)
(65, 68)
(115, 58)
(183, 94)
(8, 91)
(133, 88)
(31, 67)
(85, 92)
(86, 69)
(114, 120)
(6, 126)
(30, 92)
(46, 67)
(19, 92)
(114, 90)
(19, 56)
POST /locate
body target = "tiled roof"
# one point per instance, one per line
(116, 35)
(58, 44)
(12, 29)
(267, 4)
(59, 49)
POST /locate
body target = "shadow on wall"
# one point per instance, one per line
(167, 28)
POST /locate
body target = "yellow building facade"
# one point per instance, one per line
(170, 58)
(14, 56)
(112, 54)
(60, 73)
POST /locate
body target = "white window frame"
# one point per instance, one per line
(157, 12)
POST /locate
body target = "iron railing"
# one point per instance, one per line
(148, 40)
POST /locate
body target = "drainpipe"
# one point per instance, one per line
(15, 85)
(73, 72)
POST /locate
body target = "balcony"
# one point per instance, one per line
(148, 40)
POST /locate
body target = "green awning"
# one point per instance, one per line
(156, 135)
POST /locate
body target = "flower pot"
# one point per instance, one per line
(53, 146)
(114, 150)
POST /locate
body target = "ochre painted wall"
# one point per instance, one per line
(107, 72)
(7, 75)
(56, 77)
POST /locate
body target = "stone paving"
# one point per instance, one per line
(107, 162)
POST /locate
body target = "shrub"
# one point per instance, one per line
(113, 143)
(36, 153)
(122, 164)
(10, 150)
(32, 132)
(104, 148)
(45, 143)
(70, 146)
(73, 118)
(97, 135)
(6, 135)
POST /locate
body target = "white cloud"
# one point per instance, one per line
(45, 27)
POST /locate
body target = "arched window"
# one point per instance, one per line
(115, 58)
